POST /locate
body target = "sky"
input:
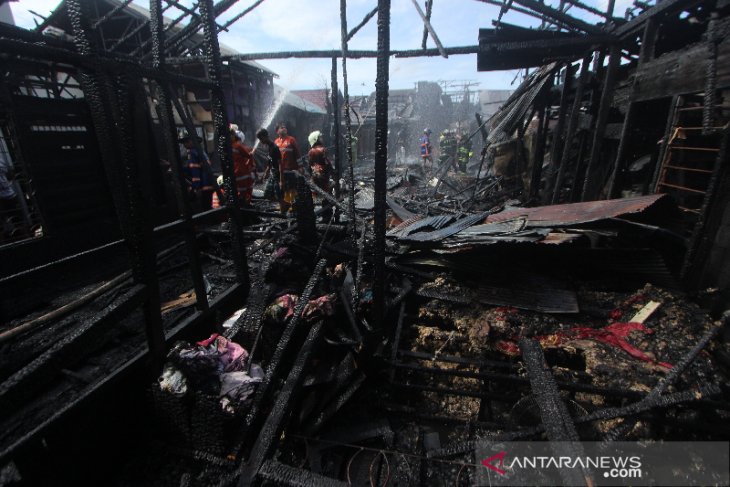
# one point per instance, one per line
(294, 25)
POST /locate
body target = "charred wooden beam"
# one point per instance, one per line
(208, 14)
(362, 23)
(348, 121)
(381, 159)
(304, 206)
(668, 400)
(229, 23)
(671, 376)
(557, 143)
(710, 98)
(559, 426)
(272, 369)
(30, 379)
(429, 9)
(222, 135)
(451, 51)
(336, 127)
(111, 13)
(110, 101)
(601, 119)
(635, 25)
(169, 135)
(516, 379)
(558, 15)
(286, 475)
(572, 126)
(430, 29)
(266, 439)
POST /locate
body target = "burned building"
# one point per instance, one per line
(564, 286)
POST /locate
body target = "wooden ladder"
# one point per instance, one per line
(690, 157)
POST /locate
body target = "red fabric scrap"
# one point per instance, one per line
(614, 335)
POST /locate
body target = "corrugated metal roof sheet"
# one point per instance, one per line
(575, 213)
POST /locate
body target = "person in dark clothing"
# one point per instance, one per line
(198, 173)
(272, 172)
(321, 169)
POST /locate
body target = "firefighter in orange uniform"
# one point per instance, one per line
(244, 167)
(289, 169)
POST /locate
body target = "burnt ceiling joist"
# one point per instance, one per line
(512, 47)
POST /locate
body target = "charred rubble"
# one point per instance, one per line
(386, 332)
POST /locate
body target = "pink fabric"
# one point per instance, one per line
(231, 356)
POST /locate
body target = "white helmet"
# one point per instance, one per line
(314, 137)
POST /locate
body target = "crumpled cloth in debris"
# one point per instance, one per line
(238, 387)
(216, 365)
(173, 381)
(282, 308)
(231, 356)
(319, 308)
(614, 335)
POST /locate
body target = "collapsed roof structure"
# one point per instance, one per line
(434, 313)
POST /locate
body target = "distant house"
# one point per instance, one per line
(301, 115)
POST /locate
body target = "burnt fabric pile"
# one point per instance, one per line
(216, 366)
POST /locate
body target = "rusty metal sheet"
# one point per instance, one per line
(575, 213)
(525, 290)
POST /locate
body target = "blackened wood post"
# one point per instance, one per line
(558, 132)
(348, 123)
(304, 206)
(647, 48)
(107, 101)
(572, 125)
(223, 138)
(673, 107)
(169, 136)
(336, 127)
(543, 118)
(381, 157)
(601, 118)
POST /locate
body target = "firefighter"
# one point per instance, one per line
(272, 189)
(463, 151)
(197, 171)
(244, 166)
(447, 147)
(426, 149)
(321, 168)
(289, 169)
